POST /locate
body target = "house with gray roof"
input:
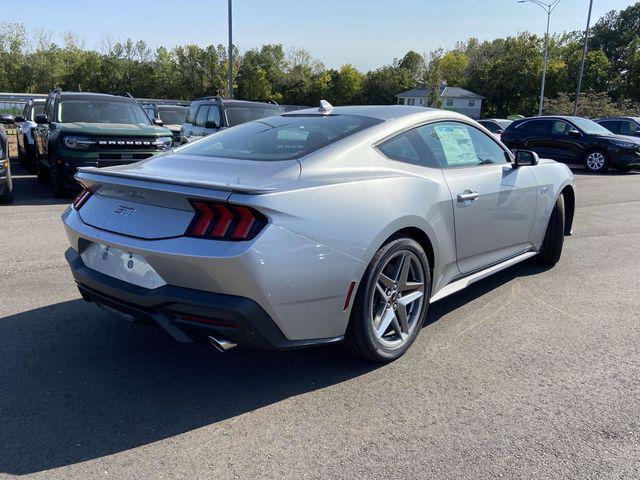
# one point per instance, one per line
(452, 98)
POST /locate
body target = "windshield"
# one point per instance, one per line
(279, 138)
(37, 110)
(101, 111)
(242, 114)
(173, 115)
(589, 126)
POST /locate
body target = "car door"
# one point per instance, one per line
(45, 130)
(200, 121)
(566, 142)
(41, 132)
(627, 127)
(537, 137)
(493, 202)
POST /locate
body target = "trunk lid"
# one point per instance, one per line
(151, 199)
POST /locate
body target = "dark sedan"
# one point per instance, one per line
(574, 140)
(622, 125)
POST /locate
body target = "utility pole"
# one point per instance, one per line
(584, 57)
(230, 50)
(548, 8)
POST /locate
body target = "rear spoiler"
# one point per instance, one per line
(91, 175)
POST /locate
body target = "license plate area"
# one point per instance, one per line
(126, 266)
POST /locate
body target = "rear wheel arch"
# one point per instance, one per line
(414, 233)
(569, 208)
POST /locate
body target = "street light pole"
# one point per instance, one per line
(584, 57)
(230, 50)
(548, 8)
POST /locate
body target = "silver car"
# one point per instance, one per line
(314, 227)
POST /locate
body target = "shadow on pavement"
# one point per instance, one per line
(27, 190)
(79, 385)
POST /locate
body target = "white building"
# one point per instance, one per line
(453, 98)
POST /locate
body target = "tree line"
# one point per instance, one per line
(506, 71)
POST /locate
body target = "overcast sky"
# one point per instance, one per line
(366, 33)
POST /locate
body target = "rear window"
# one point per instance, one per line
(243, 114)
(279, 138)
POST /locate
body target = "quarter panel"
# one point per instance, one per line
(355, 214)
(552, 178)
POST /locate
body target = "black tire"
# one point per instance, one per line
(554, 237)
(41, 172)
(603, 168)
(7, 194)
(31, 163)
(22, 153)
(59, 191)
(360, 337)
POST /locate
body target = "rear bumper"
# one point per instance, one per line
(186, 314)
(626, 158)
(299, 284)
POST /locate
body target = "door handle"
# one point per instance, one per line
(468, 196)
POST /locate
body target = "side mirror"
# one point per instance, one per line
(7, 118)
(19, 118)
(158, 122)
(210, 124)
(525, 158)
(41, 119)
(574, 133)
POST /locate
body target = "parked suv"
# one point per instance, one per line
(26, 128)
(93, 129)
(574, 140)
(172, 117)
(209, 114)
(622, 125)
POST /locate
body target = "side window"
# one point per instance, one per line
(214, 115)
(409, 147)
(192, 114)
(611, 126)
(560, 128)
(460, 145)
(628, 128)
(538, 127)
(201, 116)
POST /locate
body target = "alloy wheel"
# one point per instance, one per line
(398, 298)
(596, 161)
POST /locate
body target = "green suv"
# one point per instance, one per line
(80, 129)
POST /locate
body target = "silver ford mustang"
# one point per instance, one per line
(314, 227)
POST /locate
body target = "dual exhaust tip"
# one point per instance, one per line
(221, 344)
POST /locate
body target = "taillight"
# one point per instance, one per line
(82, 198)
(221, 221)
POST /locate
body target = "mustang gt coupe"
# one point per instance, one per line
(314, 227)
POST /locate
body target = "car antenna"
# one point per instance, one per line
(325, 107)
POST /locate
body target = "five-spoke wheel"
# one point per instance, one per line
(392, 301)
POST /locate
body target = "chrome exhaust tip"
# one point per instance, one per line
(222, 344)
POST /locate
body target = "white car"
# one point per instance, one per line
(26, 127)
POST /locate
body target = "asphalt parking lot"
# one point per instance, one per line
(532, 373)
